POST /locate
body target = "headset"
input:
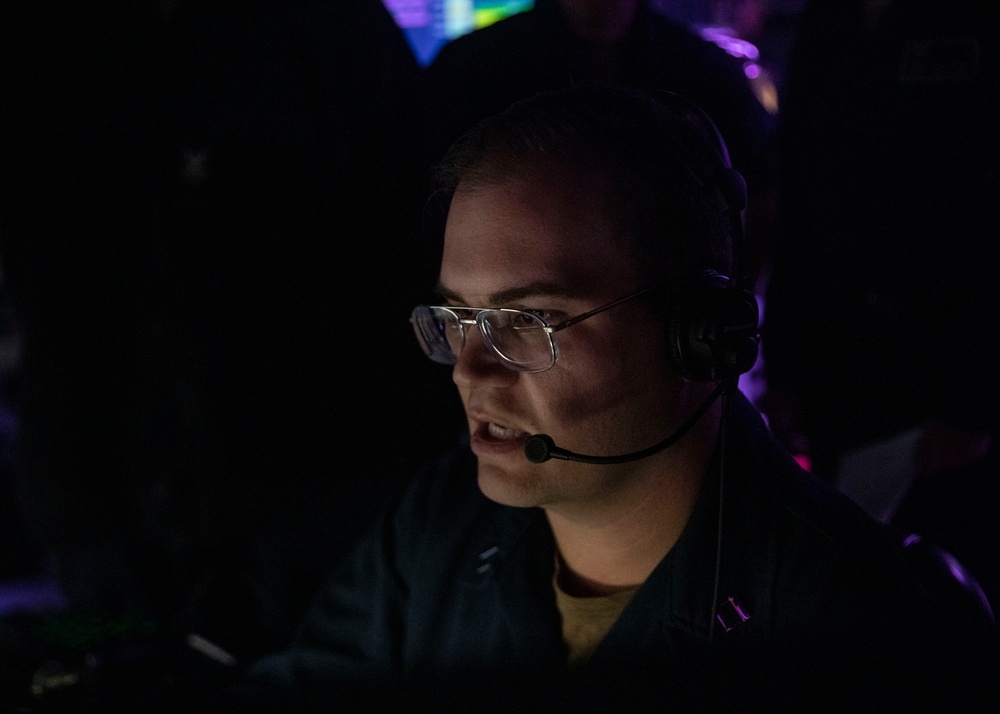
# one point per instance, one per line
(712, 323)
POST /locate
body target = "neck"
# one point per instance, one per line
(617, 543)
(603, 21)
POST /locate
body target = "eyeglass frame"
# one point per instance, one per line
(549, 330)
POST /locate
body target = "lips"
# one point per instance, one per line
(490, 436)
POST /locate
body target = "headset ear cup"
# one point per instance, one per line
(712, 330)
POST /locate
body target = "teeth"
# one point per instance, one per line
(501, 432)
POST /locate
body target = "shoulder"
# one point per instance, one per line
(356, 635)
(847, 599)
(828, 555)
(833, 599)
(439, 522)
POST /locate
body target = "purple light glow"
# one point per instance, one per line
(30, 596)
(730, 606)
(725, 38)
(409, 13)
(956, 569)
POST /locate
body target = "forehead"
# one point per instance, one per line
(552, 227)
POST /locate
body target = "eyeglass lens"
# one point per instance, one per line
(519, 338)
(438, 332)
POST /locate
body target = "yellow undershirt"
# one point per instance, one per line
(586, 620)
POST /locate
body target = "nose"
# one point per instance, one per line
(477, 363)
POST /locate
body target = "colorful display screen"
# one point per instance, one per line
(429, 24)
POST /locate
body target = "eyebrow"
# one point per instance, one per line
(537, 289)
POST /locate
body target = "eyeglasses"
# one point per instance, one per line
(520, 339)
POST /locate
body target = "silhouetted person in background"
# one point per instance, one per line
(561, 42)
(194, 195)
(882, 312)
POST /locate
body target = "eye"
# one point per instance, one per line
(531, 318)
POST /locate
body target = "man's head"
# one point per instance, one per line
(560, 206)
(672, 189)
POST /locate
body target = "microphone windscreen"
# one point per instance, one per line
(538, 448)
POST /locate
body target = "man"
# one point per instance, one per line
(671, 554)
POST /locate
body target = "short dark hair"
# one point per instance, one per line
(664, 153)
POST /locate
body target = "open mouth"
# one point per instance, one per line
(499, 432)
(490, 436)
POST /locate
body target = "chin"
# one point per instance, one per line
(509, 486)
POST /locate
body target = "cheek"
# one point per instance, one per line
(598, 376)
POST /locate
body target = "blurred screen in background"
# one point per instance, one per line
(429, 24)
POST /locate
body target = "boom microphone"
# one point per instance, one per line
(540, 447)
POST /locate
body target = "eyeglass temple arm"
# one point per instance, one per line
(580, 318)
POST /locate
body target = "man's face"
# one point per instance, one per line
(549, 243)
